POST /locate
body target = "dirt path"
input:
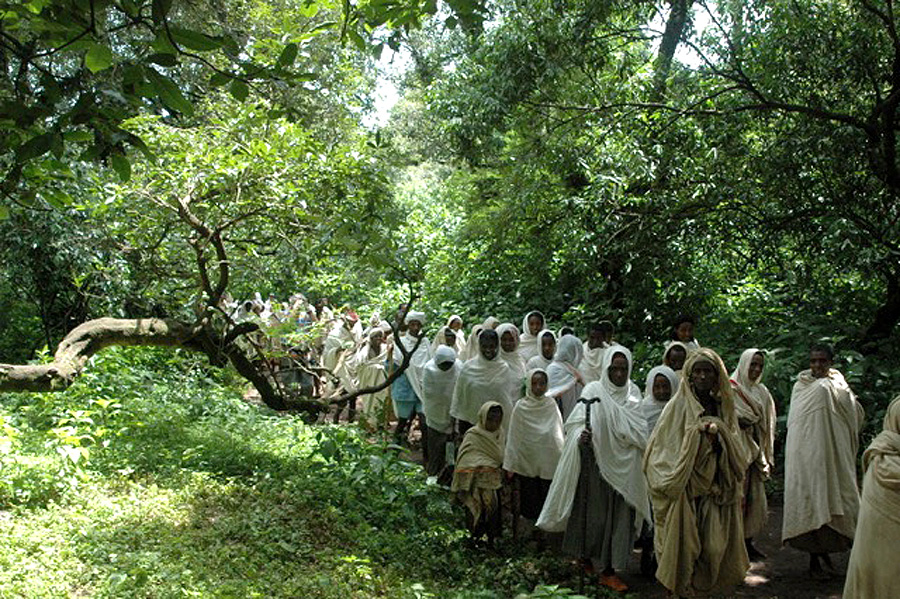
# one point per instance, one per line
(782, 574)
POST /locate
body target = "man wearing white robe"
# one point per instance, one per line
(438, 382)
(821, 497)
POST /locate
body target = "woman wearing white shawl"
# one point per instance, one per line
(872, 573)
(438, 382)
(652, 406)
(455, 322)
(509, 349)
(821, 498)
(534, 443)
(695, 467)
(608, 489)
(566, 382)
(484, 378)
(478, 474)
(545, 344)
(370, 371)
(755, 410)
(532, 325)
(675, 354)
(471, 349)
(447, 336)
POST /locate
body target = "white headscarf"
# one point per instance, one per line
(535, 434)
(527, 340)
(472, 349)
(482, 380)
(754, 404)
(513, 358)
(619, 439)
(419, 359)
(439, 337)
(437, 389)
(670, 345)
(649, 406)
(565, 379)
(539, 361)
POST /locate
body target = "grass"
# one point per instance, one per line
(152, 478)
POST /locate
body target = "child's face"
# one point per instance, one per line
(494, 418)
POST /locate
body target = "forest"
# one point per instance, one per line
(629, 161)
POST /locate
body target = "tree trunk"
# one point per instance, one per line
(886, 317)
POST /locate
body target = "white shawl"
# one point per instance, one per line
(482, 380)
(619, 439)
(592, 362)
(527, 340)
(417, 361)
(651, 408)
(824, 421)
(535, 434)
(760, 415)
(565, 379)
(439, 340)
(513, 358)
(472, 348)
(437, 389)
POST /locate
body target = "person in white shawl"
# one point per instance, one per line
(532, 324)
(447, 336)
(695, 468)
(662, 383)
(438, 383)
(599, 339)
(471, 349)
(599, 495)
(483, 378)
(546, 346)
(340, 347)
(675, 355)
(755, 410)
(821, 497)
(370, 371)
(509, 349)
(406, 390)
(566, 381)
(872, 573)
(534, 443)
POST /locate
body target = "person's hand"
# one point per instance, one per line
(585, 437)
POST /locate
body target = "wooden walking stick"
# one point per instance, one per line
(586, 450)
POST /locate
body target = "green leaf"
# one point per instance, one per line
(169, 93)
(159, 10)
(194, 40)
(357, 40)
(309, 9)
(121, 165)
(34, 147)
(98, 58)
(163, 59)
(4, 212)
(239, 90)
(288, 55)
(219, 79)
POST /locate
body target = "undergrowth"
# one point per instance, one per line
(151, 477)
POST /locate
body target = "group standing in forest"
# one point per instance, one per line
(678, 469)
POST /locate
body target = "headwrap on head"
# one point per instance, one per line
(444, 354)
(527, 340)
(565, 379)
(490, 323)
(649, 406)
(410, 316)
(513, 358)
(687, 351)
(454, 317)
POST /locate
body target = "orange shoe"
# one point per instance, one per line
(613, 582)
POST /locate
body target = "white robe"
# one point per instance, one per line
(437, 389)
(527, 341)
(619, 439)
(564, 375)
(481, 380)
(534, 435)
(417, 361)
(824, 420)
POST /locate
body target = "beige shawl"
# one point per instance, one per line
(823, 427)
(756, 417)
(696, 489)
(477, 475)
(872, 572)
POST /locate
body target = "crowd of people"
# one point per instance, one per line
(678, 469)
